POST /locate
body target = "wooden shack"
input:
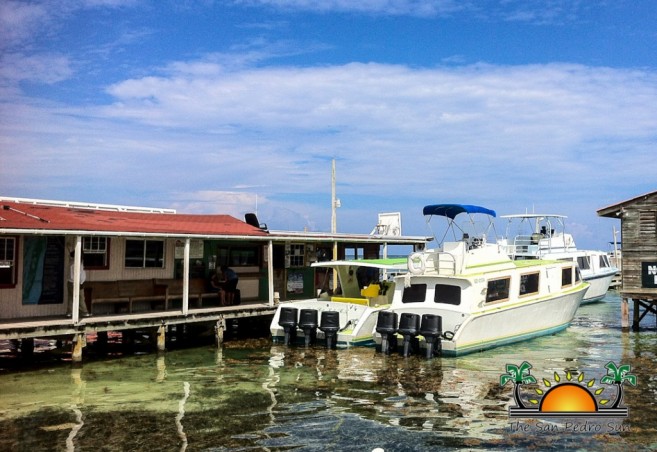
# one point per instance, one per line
(638, 218)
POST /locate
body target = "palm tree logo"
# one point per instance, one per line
(518, 375)
(573, 397)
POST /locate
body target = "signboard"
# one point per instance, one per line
(649, 274)
(195, 249)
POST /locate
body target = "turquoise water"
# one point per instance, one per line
(251, 395)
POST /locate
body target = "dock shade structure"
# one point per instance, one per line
(140, 261)
(638, 217)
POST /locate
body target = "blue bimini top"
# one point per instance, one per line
(452, 210)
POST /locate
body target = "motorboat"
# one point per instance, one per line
(540, 236)
(343, 316)
(469, 295)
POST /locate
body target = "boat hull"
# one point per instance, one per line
(599, 285)
(357, 322)
(503, 325)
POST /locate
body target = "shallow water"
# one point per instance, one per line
(251, 395)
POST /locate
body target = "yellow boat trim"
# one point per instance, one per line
(493, 307)
(361, 301)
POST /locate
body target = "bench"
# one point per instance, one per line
(126, 296)
(199, 291)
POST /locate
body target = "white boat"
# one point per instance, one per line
(345, 317)
(539, 236)
(468, 295)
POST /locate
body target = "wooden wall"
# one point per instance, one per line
(639, 240)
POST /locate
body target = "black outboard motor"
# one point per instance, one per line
(409, 327)
(330, 325)
(386, 326)
(431, 327)
(308, 323)
(288, 320)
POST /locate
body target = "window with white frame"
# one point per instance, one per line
(144, 253)
(7, 261)
(297, 255)
(95, 252)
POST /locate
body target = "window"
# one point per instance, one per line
(498, 289)
(414, 294)
(584, 262)
(297, 255)
(239, 256)
(7, 261)
(95, 252)
(566, 276)
(604, 261)
(447, 294)
(529, 284)
(144, 253)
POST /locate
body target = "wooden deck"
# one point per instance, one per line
(51, 327)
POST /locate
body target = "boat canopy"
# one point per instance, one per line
(394, 263)
(452, 210)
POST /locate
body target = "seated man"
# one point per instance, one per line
(229, 280)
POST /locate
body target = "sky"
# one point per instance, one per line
(239, 106)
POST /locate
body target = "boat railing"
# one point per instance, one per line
(525, 245)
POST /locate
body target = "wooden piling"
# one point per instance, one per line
(625, 314)
(27, 347)
(161, 338)
(78, 344)
(219, 329)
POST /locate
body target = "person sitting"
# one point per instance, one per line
(225, 280)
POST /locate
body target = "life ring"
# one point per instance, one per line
(416, 263)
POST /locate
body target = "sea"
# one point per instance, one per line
(251, 395)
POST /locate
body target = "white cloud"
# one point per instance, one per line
(199, 137)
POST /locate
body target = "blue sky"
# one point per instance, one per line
(237, 106)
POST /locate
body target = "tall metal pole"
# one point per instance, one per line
(334, 224)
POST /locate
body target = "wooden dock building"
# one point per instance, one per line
(638, 218)
(148, 268)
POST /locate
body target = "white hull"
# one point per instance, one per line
(599, 286)
(356, 322)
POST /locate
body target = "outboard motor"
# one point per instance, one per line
(330, 325)
(308, 323)
(386, 326)
(431, 327)
(288, 320)
(409, 327)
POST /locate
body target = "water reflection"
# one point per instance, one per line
(252, 395)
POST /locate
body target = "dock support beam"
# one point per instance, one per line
(161, 338)
(625, 314)
(78, 344)
(219, 329)
(27, 347)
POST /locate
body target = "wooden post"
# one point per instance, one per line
(161, 338)
(27, 347)
(625, 314)
(78, 344)
(635, 322)
(101, 342)
(219, 329)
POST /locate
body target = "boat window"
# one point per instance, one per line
(529, 284)
(566, 276)
(498, 289)
(604, 261)
(444, 293)
(414, 294)
(584, 262)
(578, 275)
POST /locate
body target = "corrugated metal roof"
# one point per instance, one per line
(34, 217)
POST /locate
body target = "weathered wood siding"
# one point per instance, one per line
(639, 239)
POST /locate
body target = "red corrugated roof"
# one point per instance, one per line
(55, 218)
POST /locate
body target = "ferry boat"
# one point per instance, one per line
(469, 295)
(541, 236)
